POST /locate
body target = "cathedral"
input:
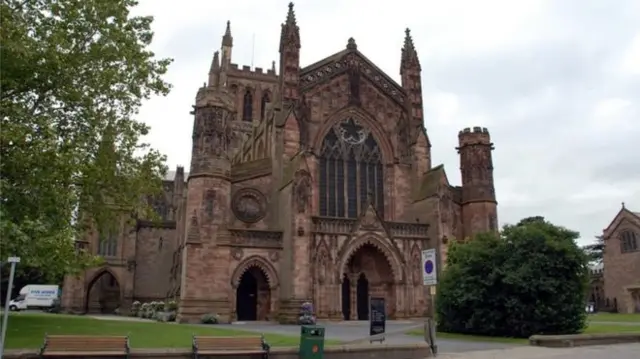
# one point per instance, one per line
(306, 184)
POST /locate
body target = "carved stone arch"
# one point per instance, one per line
(391, 253)
(99, 273)
(377, 131)
(91, 281)
(259, 262)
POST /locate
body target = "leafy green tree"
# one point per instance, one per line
(74, 74)
(531, 279)
(595, 251)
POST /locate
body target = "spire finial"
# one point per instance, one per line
(290, 33)
(291, 15)
(409, 53)
(227, 40)
(215, 63)
(351, 44)
(623, 205)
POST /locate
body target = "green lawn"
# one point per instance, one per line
(614, 317)
(591, 329)
(26, 331)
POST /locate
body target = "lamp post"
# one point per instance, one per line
(5, 317)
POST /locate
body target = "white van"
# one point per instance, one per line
(40, 296)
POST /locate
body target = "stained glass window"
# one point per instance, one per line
(351, 174)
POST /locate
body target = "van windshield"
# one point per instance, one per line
(19, 298)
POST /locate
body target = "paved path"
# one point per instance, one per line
(352, 331)
(355, 330)
(620, 351)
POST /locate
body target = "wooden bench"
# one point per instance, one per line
(230, 345)
(84, 345)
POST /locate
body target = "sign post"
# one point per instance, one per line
(377, 318)
(430, 279)
(429, 267)
(5, 315)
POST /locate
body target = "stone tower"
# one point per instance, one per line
(479, 206)
(208, 200)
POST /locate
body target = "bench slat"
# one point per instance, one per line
(85, 345)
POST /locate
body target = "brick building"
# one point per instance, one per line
(621, 261)
(313, 184)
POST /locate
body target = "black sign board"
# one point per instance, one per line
(377, 317)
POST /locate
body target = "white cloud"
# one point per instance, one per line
(556, 82)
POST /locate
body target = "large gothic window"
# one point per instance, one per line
(350, 171)
(247, 107)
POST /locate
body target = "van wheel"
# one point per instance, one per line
(13, 308)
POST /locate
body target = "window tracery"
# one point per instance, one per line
(628, 241)
(351, 174)
(108, 244)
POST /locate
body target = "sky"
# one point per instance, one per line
(557, 82)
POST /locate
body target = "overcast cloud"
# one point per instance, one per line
(557, 82)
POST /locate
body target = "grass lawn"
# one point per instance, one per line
(26, 331)
(614, 317)
(591, 329)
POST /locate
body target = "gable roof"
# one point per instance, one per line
(338, 63)
(619, 217)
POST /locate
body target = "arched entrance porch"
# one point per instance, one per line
(253, 282)
(103, 293)
(367, 273)
(253, 296)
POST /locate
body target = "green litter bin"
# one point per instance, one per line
(311, 342)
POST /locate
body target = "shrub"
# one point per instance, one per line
(530, 280)
(306, 314)
(209, 319)
(135, 308)
(146, 311)
(171, 306)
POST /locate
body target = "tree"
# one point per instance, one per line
(74, 74)
(595, 251)
(531, 279)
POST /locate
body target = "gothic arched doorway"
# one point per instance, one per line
(103, 294)
(253, 296)
(346, 297)
(370, 274)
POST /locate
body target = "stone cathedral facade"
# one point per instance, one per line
(308, 183)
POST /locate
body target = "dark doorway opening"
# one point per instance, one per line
(247, 297)
(346, 297)
(362, 295)
(103, 294)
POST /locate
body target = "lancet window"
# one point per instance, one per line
(247, 106)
